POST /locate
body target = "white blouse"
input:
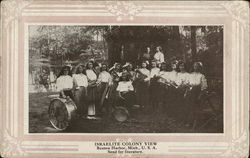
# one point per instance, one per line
(182, 78)
(80, 80)
(91, 75)
(154, 72)
(198, 79)
(64, 82)
(162, 75)
(125, 86)
(171, 76)
(159, 57)
(104, 76)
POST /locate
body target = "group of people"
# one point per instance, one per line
(154, 83)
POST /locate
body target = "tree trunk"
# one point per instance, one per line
(193, 41)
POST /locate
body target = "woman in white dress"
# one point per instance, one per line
(198, 85)
(104, 82)
(80, 90)
(91, 90)
(182, 80)
(64, 83)
(162, 88)
(171, 84)
(154, 86)
(125, 91)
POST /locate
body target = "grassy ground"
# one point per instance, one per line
(160, 121)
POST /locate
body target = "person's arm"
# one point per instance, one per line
(118, 89)
(99, 79)
(75, 85)
(59, 85)
(148, 77)
(203, 83)
(162, 58)
(130, 87)
(110, 81)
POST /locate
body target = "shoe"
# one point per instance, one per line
(90, 117)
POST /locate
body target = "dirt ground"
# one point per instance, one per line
(168, 120)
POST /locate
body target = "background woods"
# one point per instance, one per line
(50, 47)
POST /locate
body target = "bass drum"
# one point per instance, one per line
(120, 113)
(61, 111)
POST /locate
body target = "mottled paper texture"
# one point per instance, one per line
(16, 15)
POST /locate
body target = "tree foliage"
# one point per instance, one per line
(79, 43)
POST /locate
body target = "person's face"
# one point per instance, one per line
(182, 67)
(90, 66)
(174, 66)
(143, 65)
(118, 67)
(164, 67)
(124, 77)
(65, 71)
(196, 67)
(130, 67)
(80, 69)
(153, 64)
(148, 49)
(97, 68)
(157, 49)
(104, 67)
(124, 70)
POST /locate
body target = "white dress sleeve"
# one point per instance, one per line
(118, 87)
(130, 86)
(59, 84)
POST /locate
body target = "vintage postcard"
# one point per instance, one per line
(124, 79)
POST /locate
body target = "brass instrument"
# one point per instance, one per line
(141, 76)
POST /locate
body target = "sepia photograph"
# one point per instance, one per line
(125, 78)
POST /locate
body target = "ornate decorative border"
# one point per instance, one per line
(16, 14)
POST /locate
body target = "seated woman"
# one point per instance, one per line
(64, 83)
(198, 84)
(125, 91)
(115, 73)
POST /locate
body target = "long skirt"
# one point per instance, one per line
(154, 93)
(103, 96)
(112, 96)
(193, 103)
(142, 93)
(80, 100)
(92, 99)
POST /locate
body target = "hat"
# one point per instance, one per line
(199, 63)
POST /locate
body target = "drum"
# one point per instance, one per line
(121, 114)
(61, 111)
